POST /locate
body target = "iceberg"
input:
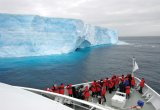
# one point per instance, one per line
(33, 35)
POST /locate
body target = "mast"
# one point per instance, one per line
(133, 61)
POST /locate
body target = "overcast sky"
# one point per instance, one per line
(129, 17)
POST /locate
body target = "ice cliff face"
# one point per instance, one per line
(27, 35)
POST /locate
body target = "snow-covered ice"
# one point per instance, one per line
(32, 35)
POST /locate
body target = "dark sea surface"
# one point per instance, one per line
(86, 65)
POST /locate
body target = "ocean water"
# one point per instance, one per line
(86, 64)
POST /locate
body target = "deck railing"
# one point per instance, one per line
(69, 101)
(151, 96)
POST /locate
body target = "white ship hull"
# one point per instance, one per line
(150, 97)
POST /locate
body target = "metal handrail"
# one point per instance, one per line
(149, 87)
(92, 105)
(154, 98)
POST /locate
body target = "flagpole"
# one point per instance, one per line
(133, 61)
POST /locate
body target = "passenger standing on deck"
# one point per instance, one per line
(69, 88)
(127, 92)
(80, 90)
(110, 86)
(126, 82)
(53, 88)
(86, 93)
(141, 85)
(104, 82)
(95, 85)
(133, 82)
(95, 82)
(93, 89)
(56, 89)
(98, 88)
(107, 84)
(101, 82)
(61, 89)
(103, 93)
(122, 86)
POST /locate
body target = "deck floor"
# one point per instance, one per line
(132, 101)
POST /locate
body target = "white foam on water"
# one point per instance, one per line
(123, 43)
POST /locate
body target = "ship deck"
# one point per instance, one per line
(132, 101)
(151, 103)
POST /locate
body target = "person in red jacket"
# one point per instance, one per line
(127, 92)
(61, 89)
(104, 82)
(133, 82)
(103, 93)
(69, 88)
(98, 89)
(141, 85)
(107, 84)
(55, 89)
(94, 82)
(93, 89)
(110, 86)
(86, 93)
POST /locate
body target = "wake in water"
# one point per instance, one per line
(146, 45)
(137, 44)
(123, 43)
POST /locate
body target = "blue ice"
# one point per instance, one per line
(32, 35)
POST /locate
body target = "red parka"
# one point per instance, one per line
(98, 87)
(69, 88)
(104, 83)
(61, 89)
(110, 85)
(142, 83)
(117, 80)
(93, 88)
(128, 90)
(122, 78)
(86, 92)
(133, 81)
(107, 83)
(94, 83)
(103, 91)
(56, 89)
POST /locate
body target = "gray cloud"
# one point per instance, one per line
(129, 17)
